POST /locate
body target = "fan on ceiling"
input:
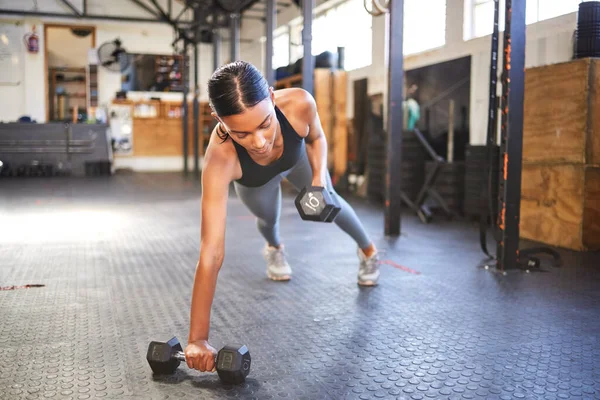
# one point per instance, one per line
(113, 57)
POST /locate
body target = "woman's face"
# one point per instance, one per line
(255, 129)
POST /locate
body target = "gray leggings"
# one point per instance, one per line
(265, 203)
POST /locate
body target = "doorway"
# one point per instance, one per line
(67, 75)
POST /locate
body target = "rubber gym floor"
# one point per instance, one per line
(117, 256)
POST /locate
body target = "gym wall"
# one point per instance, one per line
(22, 83)
(548, 42)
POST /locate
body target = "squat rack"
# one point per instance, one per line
(511, 147)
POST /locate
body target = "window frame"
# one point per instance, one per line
(296, 33)
(470, 20)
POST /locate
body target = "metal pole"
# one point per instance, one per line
(290, 44)
(197, 40)
(395, 123)
(235, 37)
(186, 83)
(216, 43)
(72, 7)
(216, 49)
(511, 145)
(196, 111)
(271, 18)
(307, 61)
(145, 7)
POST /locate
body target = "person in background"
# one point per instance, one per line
(412, 110)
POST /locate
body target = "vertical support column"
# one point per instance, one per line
(290, 43)
(196, 109)
(511, 144)
(308, 65)
(186, 83)
(270, 26)
(235, 37)
(216, 43)
(395, 123)
(197, 41)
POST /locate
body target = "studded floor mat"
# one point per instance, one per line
(117, 257)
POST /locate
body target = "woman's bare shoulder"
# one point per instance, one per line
(298, 106)
(296, 98)
(220, 153)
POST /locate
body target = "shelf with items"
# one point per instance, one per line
(67, 92)
(168, 75)
(92, 84)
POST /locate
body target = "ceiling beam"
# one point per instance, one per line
(161, 12)
(72, 7)
(85, 17)
(183, 10)
(145, 7)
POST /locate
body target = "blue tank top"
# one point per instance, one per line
(253, 174)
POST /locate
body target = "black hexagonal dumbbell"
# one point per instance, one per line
(232, 363)
(315, 203)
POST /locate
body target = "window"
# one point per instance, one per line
(347, 25)
(536, 10)
(281, 50)
(483, 17)
(424, 25)
(296, 34)
(553, 8)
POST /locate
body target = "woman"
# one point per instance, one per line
(261, 137)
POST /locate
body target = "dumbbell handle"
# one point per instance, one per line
(180, 356)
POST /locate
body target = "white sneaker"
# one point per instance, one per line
(368, 271)
(278, 268)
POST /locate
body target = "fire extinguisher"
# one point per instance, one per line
(31, 41)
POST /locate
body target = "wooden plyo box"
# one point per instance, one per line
(560, 205)
(560, 196)
(562, 113)
(330, 93)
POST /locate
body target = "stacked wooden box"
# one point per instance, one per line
(560, 202)
(330, 92)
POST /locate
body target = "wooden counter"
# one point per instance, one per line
(158, 128)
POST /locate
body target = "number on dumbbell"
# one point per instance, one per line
(314, 202)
